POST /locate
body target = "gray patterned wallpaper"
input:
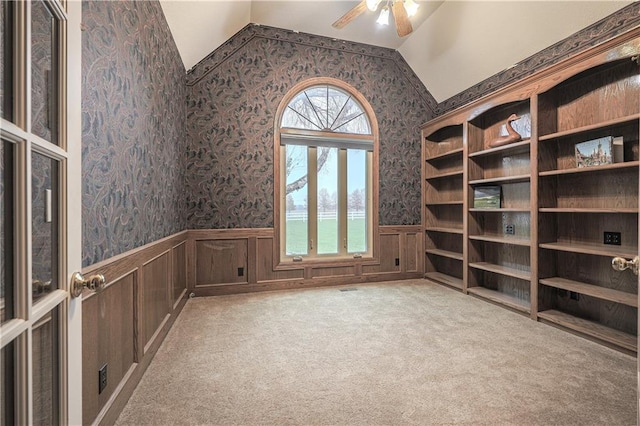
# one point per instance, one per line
(232, 97)
(133, 128)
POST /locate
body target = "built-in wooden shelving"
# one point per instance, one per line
(593, 249)
(518, 147)
(502, 270)
(591, 127)
(604, 293)
(542, 250)
(512, 302)
(445, 175)
(503, 239)
(445, 279)
(501, 179)
(444, 230)
(591, 328)
(443, 155)
(445, 253)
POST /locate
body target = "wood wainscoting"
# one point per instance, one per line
(229, 261)
(124, 324)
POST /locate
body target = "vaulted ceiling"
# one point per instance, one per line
(455, 44)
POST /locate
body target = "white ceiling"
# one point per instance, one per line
(455, 44)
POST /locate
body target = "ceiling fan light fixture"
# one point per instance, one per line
(372, 5)
(383, 19)
(411, 7)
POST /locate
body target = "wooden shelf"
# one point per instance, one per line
(501, 179)
(445, 203)
(516, 241)
(607, 167)
(502, 270)
(444, 175)
(585, 210)
(514, 148)
(590, 328)
(583, 129)
(604, 293)
(501, 298)
(444, 279)
(444, 230)
(445, 154)
(445, 253)
(500, 210)
(592, 248)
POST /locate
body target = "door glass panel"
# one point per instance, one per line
(6, 232)
(356, 201)
(44, 99)
(6, 58)
(7, 368)
(44, 204)
(45, 370)
(297, 218)
(327, 200)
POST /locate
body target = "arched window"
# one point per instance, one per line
(326, 144)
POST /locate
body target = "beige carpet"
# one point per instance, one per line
(407, 352)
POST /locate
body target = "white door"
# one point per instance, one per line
(40, 324)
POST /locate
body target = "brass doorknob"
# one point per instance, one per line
(620, 264)
(78, 283)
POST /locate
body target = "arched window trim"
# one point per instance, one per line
(279, 261)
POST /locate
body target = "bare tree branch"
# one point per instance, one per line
(302, 181)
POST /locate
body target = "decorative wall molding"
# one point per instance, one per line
(607, 28)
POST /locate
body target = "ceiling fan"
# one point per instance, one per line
(402, 10)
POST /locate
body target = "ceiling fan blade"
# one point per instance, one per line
(403, 25)
(351, 15)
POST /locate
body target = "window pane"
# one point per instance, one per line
(44, 200)
(297, 218)
(6, 231)
(352, 119)
(327, 200)
(43, 73)
(45, 371)
(7, 369)
(357, 201)
(6, 58)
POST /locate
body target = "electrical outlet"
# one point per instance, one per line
(241, 272)
(574, 296)
(397, 261)
(102, 378)
(613, 238)
(509, 229)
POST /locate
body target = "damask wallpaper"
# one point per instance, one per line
(133, 128)
(232, 98)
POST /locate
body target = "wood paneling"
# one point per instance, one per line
(155, 295)
(221, 261)
(118, 322)
(265, 264)
(342, 271)
(389, 255)
(108, 331)
(257, 250)
(179, 271)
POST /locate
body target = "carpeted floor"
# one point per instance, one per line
(407, 352)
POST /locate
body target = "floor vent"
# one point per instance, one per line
(349, 289)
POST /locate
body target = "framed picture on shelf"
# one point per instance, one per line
(596, 152)
(487, 197)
